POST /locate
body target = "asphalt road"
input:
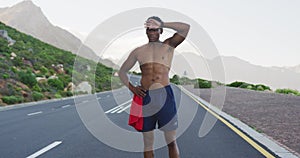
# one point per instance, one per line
(55, 129)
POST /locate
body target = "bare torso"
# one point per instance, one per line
(155, 59)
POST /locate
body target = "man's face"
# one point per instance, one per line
(153, 34)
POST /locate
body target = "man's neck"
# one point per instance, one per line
(158, 41)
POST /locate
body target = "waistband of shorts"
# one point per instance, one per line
(159, 90)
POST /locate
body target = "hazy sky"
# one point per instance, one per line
(263, 32)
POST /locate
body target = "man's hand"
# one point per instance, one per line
(153, 24)
(138, 90)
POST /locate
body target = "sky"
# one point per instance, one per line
(263, 32)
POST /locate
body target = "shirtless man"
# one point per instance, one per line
(155, 59)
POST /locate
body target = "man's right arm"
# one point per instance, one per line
(126, 66)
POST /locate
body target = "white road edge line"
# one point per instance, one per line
(45, 149)
(124, 108)
(66, 106)
(118, 106)
(35, 113)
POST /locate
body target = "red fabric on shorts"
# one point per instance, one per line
(136, 113)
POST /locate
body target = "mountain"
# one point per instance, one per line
(32, 70)
(295, 68)
(236, 69)
(288, 68)
(28, 18)
(190, 65)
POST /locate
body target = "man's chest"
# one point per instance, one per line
(158, 55)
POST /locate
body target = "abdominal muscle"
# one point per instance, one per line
(154, 75)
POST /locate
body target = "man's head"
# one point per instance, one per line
(154, 33)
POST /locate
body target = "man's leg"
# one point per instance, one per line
(170, 137)
(148, 144)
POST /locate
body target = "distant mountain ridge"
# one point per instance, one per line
(236, 69)
(288, 68)
(28, 18)
(295, 68)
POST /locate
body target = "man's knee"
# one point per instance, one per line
(170, 136)
(148, 146)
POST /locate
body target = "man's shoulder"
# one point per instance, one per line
(140, 48)
(136, 51)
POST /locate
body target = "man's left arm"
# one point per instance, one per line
(181, 29)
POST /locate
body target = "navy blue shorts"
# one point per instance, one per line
(159, 108)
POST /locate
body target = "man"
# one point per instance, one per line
(155, 95)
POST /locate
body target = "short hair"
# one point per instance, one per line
(159, 20)
(155, 18)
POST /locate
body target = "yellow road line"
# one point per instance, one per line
(237, 131)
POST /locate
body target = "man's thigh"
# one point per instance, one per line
(148, 138)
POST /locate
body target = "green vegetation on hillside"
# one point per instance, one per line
(288, 91)
(32, 70)
(201, 83)
(198, 82)
(258, 87)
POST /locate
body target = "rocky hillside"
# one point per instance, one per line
(29, 18)
(32, 70)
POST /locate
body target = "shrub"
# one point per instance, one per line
(56, 83)
(37, 88)
(51, 71)
(37, 96)
(287, 91)
(5, 76)
(44, 70)
(11, 91)
(235, 84)
(44, 87)
(258, 87)
(246, 85)
(262, 87)
(205, 84)
(27, 78)
(175, 79)
(249, 87)
(202, 84)
(66, 79)
(4, 66)
(39, 75)
(18, 89)
(69, 93)
(57, 95)
(66, 93)
(14, 69)
(12, 99)
(18, 61)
